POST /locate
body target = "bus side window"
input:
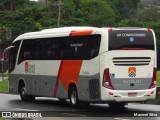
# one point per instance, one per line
(25, 52)
(49, 49)
(36, 51)
(13, 56)
(27, 55)
(77, 48)
(92, 45)
(62, 49)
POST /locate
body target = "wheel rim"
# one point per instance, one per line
(23, 93)
(74, 97)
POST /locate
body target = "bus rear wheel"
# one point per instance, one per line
(73, 97)
(24, 97)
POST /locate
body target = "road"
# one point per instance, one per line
(64, 111)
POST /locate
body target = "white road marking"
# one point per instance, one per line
(121, 119)
(9, 94)
(74, 114)
(25, 109)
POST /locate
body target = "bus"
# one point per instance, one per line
(85, 64)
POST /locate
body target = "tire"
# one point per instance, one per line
(116, 104)
(85, 104)
(24, 97)
(73, 98)
(61, 100)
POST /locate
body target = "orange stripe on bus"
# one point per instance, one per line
(68, 72)
(57, 79)
(69, 69)
(81, 32)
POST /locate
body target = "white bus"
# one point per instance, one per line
(85, 64)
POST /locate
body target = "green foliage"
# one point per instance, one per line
(158, 78)
(155, 25)
(4, 86)
(98, 13)
(126, 8)
(131, 23)
(1, 118)
(148, 13)
(28, 16)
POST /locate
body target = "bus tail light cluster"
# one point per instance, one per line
(106, 79)
(149, 30)
(110, 30)
(153, 83)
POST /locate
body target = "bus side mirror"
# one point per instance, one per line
(27, 55)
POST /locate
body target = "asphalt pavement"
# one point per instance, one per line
(53, 108)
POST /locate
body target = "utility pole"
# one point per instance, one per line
(46, 2)
(59, 12)
(11, 5)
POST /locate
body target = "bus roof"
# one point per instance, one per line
(67, 30)
(53, 31)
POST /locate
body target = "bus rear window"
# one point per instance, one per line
(131, 40)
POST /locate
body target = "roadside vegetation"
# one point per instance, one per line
(4, 84)
(158, 78)
(2, 118)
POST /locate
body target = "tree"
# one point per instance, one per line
(148, 13)
(97, 13)
(131, 23)
(12, 5)
(126, 8)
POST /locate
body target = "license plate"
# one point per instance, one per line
(132, 94)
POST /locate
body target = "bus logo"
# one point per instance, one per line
(131, 39)
(26, 67)
(132, 71)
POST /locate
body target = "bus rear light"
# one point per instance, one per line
(152, 92)
(149, 30)
(110, 30)
(132, 49)
(153, 83)
(110, 93)
(106, 80)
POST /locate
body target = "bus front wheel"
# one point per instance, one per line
(73, 97)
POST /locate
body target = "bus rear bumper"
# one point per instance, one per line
(129, 95)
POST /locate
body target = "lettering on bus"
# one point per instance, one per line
(76, 45)
(29, 68)
(131, 35)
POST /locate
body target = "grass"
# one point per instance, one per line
(158, 78)
(2, 118)
(4, 86)
(4, 74)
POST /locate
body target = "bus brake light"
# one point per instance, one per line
(110, 30)
(153, 83)
(149, 30)
(106, 80)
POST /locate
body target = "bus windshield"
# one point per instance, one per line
(131, 40)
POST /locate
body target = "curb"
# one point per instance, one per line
(4, 92)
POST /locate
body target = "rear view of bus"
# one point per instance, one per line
(131, 72)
